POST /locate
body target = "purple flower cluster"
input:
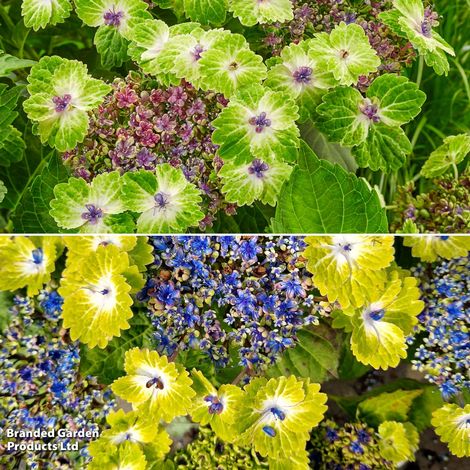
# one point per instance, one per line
(142, 124)
(444, 352)
(313, 16)
(215, 293)
(42, 389)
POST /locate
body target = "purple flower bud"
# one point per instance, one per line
(93, 215)
(303, 75)
(260, 122)
(113, 17)
(62, 102)
(258, 168)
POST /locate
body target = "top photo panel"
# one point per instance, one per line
(234, 116)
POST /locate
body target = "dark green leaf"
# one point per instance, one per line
(323, 198)
(9, 63)
(314, 357)
(32, 212)
(108, 364)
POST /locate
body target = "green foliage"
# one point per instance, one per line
(108, 364)
(393, 406)
(315, 358)
(323, 198)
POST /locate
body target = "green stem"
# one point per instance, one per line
(456, 171)
(419, 78)
(6, 18)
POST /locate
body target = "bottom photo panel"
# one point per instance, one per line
(234, 352)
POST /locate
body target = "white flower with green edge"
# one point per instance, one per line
(380, 327)
(27, 263)
(81, 246)
(182, 53)
(398, 441)
(97, 304)
(139, 251)
(40, 13)
(345, 267)
(258, 180)
(124, 457)
(371, 124)
(452, 425)
(148, 40)
(431, 247)
(277, 415)
(140, 431)
(258, 122)
(114, 19)
(229, 65)
(217, 408)
(452, 152)
(121, 15)
(166, 200)
(411, 20)
(299, 74)
(345, 52)
(62, 93)
(95, 207)
(251, 12)
(155, 387)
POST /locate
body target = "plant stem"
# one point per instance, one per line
(419, 78)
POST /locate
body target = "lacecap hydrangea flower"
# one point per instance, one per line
(62, 92)
(311, 17)
(443, 353)
(259, 288)
(351, 445)
(42, 387)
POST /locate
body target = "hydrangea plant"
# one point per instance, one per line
(200, 351)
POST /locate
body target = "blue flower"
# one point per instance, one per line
(356, 447)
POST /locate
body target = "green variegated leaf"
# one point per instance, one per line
(206, 11)
(166, 201)
(258, 122)
(111, 46)
(12, 145)
(452, 152)
(251, 12)
(40, 13)
(346, 52)
(386, 148)
(323, 198)
(230, 66)
(340, 117)
(399, 99)
(393, 406)
(244, 183)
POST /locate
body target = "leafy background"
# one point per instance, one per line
(30, 181)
